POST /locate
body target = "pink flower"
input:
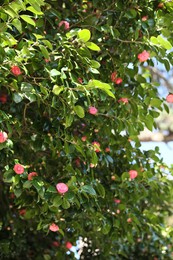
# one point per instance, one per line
(3, 137)
(65, 23)
(143, 56)
(47, 60)
(96, 146)
(62, 188)
(107, 149)
(18, 168)
(92, 165)
(133, 174)
(16, 70)
(80, 80)
(53, 227)
(129, 220)
(31, 175)
(169, 98)
(68, 245)
(118, 211)
(113, 76)
(118, 81)
(117, 201)
(83, 138)
(144, 18)
(92, 110)
(123, 100)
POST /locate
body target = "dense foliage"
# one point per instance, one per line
(75, 92)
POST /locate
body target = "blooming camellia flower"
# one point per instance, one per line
(92, 110)
(117, 201)
(169, 98)
(144, 18)
(83, 138)
(68, 245)
(65, 23)
(118, 81)
(18, 168)
(133, 174)
(96, 146)
(53, 227)
(16, 70)
(31, 175)
(3, 137)
(123, 100)
(62, 188)
(143, 56)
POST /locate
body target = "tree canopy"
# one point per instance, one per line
(75, 93)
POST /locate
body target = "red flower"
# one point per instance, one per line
(144, 18)
(68, 245)
(22, 212)
(129, 220)
(77, 162)
(3, 98)
(92, 110)
(62, 188)
(18, 168)
(118, 81)
(55, 243)
(117, 201)
(3, 137)
(143, 56)
(96, 146)
(16, 70)
(31, 175)
(123, 100)
(169, 98)
(107, 149)
(133, 174)
(83, 138)
(113, 76)
(65, 23)
(53, 227)
(80, 80)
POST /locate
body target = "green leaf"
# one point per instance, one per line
(27, 184)
(101, 190)
(57, 201)
(79, 111)
(164, 43)
(95, 64)
(92, 46)
(44, 51)
(149, 122)
(57, 89)
(17, 24)
(28, 19)
(65, 204)
(84, 35)
(103, 86)
(17, 97)
(154, 40)
(34, 11)
(156, 102)
(54, 73)
(88, 189)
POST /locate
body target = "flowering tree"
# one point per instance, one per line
(75, 93)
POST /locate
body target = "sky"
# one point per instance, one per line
(166, 150)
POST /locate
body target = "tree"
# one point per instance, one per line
(75, 94)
